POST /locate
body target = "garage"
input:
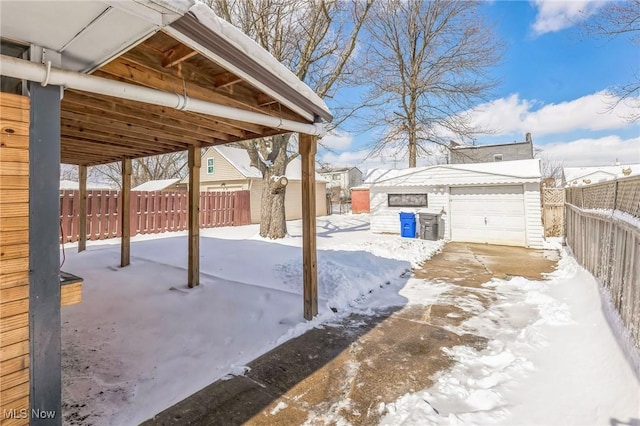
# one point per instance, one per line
(488, 214)
(493, 203)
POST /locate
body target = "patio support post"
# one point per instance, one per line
(308, 149)
(44, 254)
(125, 214)
(82, 208)
(194, 216)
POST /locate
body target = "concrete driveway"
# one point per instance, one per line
(350, 369)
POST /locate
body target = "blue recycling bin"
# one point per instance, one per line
(407, 225)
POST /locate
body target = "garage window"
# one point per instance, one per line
(407, 200)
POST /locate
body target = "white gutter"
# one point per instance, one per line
(45, 74)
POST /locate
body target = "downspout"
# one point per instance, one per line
(45, 74)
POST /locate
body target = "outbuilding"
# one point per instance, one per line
(228, 168)
(493, 203)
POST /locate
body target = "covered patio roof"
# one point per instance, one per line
(173, 46)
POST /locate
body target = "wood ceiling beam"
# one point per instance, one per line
(204, 124)
(111, 128)
(98, 136)
(146, 76)
(198, 83)
(106, 147)
(225, 79)
(177, 55)
(97, 116)
(264, 100)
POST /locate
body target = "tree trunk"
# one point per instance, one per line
(413, 152)
(272, 211)
(273, 217)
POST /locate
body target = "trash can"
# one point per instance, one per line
(407, 225)
(429, 226)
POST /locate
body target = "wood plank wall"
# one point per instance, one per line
(14, 259)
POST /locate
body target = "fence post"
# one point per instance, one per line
(612, 236)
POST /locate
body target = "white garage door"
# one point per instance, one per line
(488, 214)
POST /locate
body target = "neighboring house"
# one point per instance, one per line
(344, 178)
(580, 176)
(226, 168)
(158, 185)
(75, 186)
(494, 203)
(491, 153)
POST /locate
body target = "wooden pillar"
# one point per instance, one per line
(308, 149)
(125, 214)
(194, 214)
(82, 208)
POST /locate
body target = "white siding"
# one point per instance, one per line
(292, 200)
(533, 207)
(385, 219)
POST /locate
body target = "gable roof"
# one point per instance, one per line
(337, 169)
(74, 185)
(459, 174)
(155, 185)
(475, 147)
(576, 174)
(239, 158)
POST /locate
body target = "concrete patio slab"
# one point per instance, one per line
(353, 368)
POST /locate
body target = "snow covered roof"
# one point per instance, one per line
(90, 33)
(259, 67)
(155, 185)
(499, 172)
(73, 185)
(239, 158)
(595, 174)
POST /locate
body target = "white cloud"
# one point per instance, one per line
(337, 140)
(515, 115)
(594, 152)
(556, 15)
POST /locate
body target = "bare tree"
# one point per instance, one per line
(551, 170)
(427, 63)
(165, 166)
(316, 40)
(620, 19)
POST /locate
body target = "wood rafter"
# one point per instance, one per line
(203, 124)
(176, 55)
(98, 129)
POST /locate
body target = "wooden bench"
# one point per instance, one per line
(70, 289)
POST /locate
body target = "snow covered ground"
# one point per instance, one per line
(552, 359)
(140, 341)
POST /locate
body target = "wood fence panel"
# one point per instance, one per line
(607, 244)
(151, 212)
(553, 211)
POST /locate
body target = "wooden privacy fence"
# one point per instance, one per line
(150, 213)
(603, 233)
(553, 212)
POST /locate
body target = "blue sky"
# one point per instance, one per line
(553, 82)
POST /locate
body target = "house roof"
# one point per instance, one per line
(239, 158)
(155, 185)
(73, 185)
(575, 175)
(324, 170)
(172, 46)
(458, 174)
(472, 147)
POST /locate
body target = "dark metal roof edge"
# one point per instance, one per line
(196, 31)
